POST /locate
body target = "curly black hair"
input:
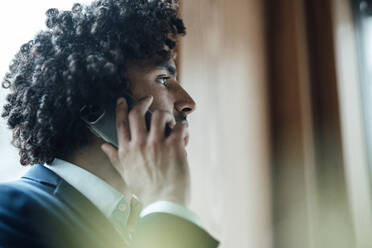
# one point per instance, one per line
(81, 58)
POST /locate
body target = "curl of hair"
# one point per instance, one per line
(79, 59)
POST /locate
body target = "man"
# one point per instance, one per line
(80, 190)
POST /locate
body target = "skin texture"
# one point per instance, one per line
(150, 165)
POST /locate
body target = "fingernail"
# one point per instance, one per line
(185, 123)
(120, 100)
(172, 124)
(145, 99)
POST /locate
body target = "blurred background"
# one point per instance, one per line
(281, 142)
(20, 20)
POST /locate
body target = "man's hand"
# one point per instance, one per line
(153, 167)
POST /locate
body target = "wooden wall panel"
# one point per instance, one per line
(292, 144)
(223, 67)
(311, 207)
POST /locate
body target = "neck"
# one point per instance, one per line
(92, 159)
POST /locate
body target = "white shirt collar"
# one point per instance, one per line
(110, 201)
(100, 193)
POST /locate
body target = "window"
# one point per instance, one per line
(363, 19)
(19, 22)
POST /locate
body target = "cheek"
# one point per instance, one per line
(162, 98)
(141, 88)
(162, 101)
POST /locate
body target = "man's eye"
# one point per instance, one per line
(163, 80)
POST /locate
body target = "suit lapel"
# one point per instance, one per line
(78, 203)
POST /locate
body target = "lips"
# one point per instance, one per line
(186, 139)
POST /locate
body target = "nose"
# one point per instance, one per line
(184, 102)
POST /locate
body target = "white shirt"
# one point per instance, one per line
(121, 213)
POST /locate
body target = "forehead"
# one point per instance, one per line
(151, 65)
(158, 61)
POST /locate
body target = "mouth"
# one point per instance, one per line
(186, 139)
(183, 118)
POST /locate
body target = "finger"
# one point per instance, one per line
(122, 123)
(179, 133)
(138, 130)
(158, 124)
(111, 153)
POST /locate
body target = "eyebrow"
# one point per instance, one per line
(170, 68)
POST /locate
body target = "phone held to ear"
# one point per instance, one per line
(102, 121)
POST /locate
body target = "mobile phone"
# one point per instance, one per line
(101, 121)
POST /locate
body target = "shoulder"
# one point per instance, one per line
(23, 201)
(13, 194)
(16, 198)
(18, 203)
(18, 194)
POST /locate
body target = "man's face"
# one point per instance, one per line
(161, 82)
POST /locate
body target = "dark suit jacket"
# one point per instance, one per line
(43, 210)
